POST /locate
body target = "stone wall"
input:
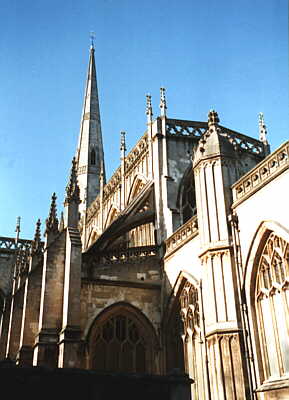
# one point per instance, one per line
(96, 296)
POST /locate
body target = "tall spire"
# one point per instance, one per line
(89, 155)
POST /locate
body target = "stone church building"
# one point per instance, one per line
(178, 262)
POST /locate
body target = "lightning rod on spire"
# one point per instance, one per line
(92, 37)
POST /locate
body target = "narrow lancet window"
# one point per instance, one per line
(92, 157)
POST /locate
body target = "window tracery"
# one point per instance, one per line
(271, 301)
(190, 315)
(190, 312)
(119, 344)
(188, 197)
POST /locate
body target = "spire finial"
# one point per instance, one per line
(149, 108)
(92, 37)
(163, 102)
(122, 141)
(263, 134)
(36, 244)
(72, 189)
(17, 229)
(213, 118)
(262, 129)
(52, 221)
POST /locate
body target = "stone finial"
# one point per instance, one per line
(72, 189)
(213, 118)
(17, 229)
(163, 103)
(149, 108)
(52, 221)
(263, 134)
(122, 141)
(262, 129)
(36, 244)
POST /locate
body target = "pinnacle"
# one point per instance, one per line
(163, 103)
(213, 118)
(36, 244)
(52, 221)
(72, 189)
(149, 109)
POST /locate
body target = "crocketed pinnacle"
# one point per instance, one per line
(122, 141)
(262, 129)
(213, 118)
(149, 109)
(163, 102)
(36, 244)
(72, 189)
(52, 221)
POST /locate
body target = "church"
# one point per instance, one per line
(179, 263)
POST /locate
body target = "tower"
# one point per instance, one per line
(89, 154)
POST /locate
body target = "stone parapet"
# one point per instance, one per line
(182, 235)
(262, 174)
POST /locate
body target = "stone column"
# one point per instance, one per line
(214, 175)
(16, 310)
(51, 301)
(31, 310)
(31, 306)
(70, 336)
(5, 326)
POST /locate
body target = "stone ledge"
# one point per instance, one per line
(274, 385)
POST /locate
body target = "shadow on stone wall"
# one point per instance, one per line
(61, 383)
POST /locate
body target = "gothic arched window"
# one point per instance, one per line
(174, 345)
(119, 342)
(188, 197)
(184, 344)
(271, 302)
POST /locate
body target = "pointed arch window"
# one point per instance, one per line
(184, 344)
(188, 197)
(271, 302)
(92, 157)
(174, 345)
(119, 343)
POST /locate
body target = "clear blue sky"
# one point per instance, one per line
(227, 55)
